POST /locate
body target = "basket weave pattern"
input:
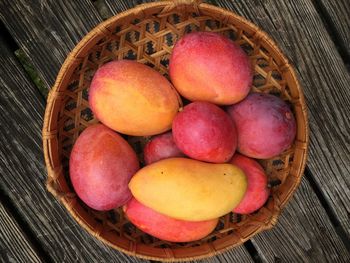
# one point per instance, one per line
(147, 34)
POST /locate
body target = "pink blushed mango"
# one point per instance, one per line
(101, 165)
(160, 147)
(265, 125)
(257, 192)
(165, 227)
(210, 67)
(205, 132)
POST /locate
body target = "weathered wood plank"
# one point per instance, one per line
(290, 51)
(304, 233)
(238, 254)
(298, 30)
(23, 172)
(116, 7)
(337, 14)
(14, 244)
(48, 30)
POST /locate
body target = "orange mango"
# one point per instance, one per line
(133, 99)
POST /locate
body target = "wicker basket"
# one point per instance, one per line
(147, 33)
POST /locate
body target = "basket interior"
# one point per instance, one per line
(148, 37)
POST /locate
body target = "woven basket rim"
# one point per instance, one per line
(100, 29)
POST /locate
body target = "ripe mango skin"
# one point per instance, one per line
(189, 189)
(206, 66)
(133, 99)
(164, 227)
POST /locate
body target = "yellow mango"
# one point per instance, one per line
(189, 189)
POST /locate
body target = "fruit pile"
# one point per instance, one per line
(192, 174)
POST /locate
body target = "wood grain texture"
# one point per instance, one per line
(47, 30)
(116, 7)
(23, 173)
(304, 233)
(14, 244)
(299, 32)
(238, 254)
(337, 14)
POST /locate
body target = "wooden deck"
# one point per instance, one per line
(35, 38)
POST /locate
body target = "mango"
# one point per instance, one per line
(265, 125)
(205, 132)
(257, 192)
(206, 66)
(164, 227)
(133, 99)
(160, 147)
(188, 189)
(100, 167)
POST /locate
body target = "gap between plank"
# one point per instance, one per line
(6, 201)
(332, 31)
(252, 251)
(9, 41)
(334, 220)
(23, 60)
